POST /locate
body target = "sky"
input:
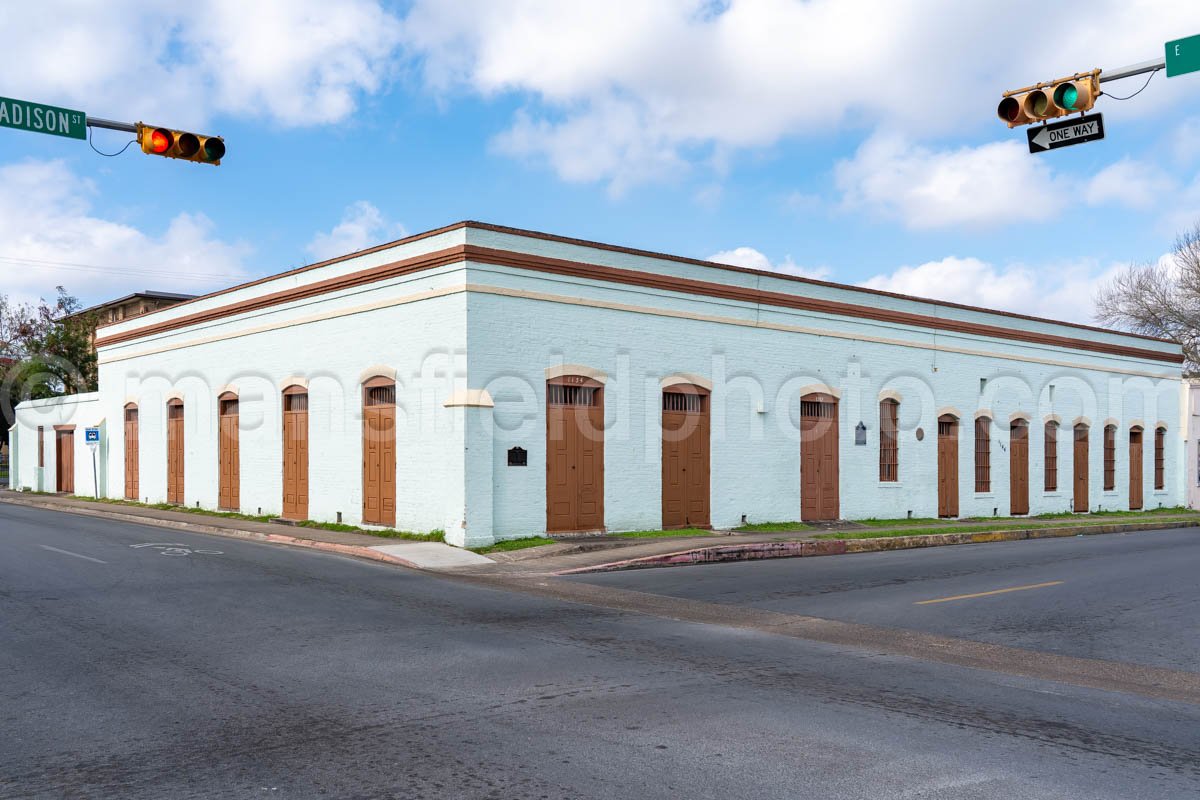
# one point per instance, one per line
(850, 140)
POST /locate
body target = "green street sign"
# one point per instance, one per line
(26, 116)
(1183, 56)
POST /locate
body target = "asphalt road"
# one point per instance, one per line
(1132, 597)
(261, 671)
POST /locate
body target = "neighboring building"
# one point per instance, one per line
(499, 383)
(1189, 419)
(131, 305)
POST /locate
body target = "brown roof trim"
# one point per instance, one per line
(451, 255)
(407, 239)
(550, 237)
(461, 253)
(784, 300)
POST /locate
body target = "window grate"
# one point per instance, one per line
(295, 402)
(560, 395)
(680, 401)
(983, 455)
(889, 451)
(131, 415)
(1159, 461)
(945, 428)
(175, 411)
(229, 408)
(381, 395)
(815, 408)
(1051, 456)
(1110, 458)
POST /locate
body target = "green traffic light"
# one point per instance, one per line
(1066, 96)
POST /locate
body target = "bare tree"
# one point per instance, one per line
(1160, 299)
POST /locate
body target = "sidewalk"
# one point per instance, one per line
(420, 555)
(605, 554)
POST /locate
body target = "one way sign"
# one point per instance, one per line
(1065, 133)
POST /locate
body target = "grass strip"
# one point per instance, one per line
(661, 534)
(947, 529)
(512, 544)
(772, 527)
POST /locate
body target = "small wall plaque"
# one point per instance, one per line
(860, 433)
(517, 457)
(920, 434)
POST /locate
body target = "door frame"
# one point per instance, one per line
(703, 424)
(135, 472)
(595, 415)
(1018, 467)
(64, 459)
(1137, 477)
(1080, 477)
(385, 518)
(176, 491)
(235, 489)
(949, 502)
(290, 391)
(831, 432)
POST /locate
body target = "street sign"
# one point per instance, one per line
(39, 118)
(1066, 133)
(91, 435)
(1183, 56)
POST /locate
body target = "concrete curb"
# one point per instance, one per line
(831, 547)
(231, 533)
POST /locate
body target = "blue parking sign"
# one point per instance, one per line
(91, 435)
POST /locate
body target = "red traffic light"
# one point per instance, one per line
(180, 144)
(160, 141)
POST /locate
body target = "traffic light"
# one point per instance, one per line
(1044, 101)
(180, 144)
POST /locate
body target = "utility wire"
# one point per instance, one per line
(121, 270)
(1139, 91)
(101, 152)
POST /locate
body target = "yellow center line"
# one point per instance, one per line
(985, 594)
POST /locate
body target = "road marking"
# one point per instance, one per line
(69, 553)
(986, 594)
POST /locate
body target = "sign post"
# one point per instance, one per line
(91, 437)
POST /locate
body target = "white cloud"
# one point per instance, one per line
(754, 259)
(629, 91)
(298, 62)
(49, 235)
(989, 185)
(1135, 184)
(362, 226)
(1062, 291)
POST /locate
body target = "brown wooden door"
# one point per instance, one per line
(1018, 468)
(132, 467)
(685, 458)
(379, 453)
(819, 457)
(175, 452)
(229, 484)
(1135, 469)
(574, 454)
(295, 454)
(947, 466)
(1081, 502)
(64, 461)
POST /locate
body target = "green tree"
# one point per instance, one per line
(46, 350)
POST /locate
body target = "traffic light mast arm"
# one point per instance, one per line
(96, 122)
(1134, 69)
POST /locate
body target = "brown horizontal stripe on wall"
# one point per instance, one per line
(650, 280)
(451, 255)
